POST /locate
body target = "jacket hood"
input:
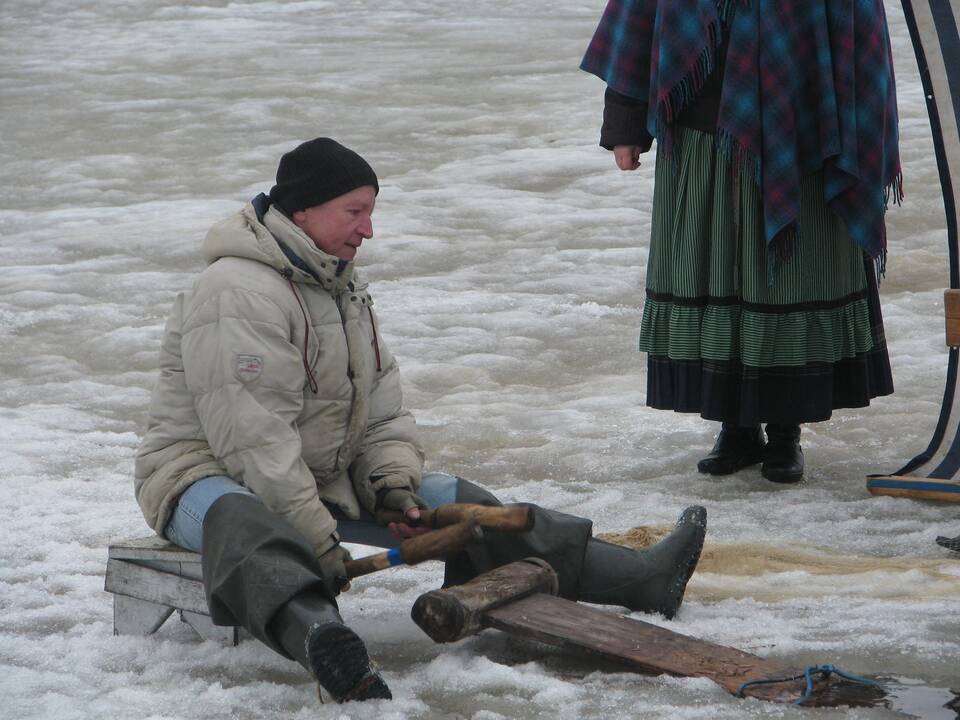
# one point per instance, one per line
(275, 241)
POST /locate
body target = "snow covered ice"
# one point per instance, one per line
(507, 267)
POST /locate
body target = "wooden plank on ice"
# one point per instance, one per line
(651, 649)
(514, 598)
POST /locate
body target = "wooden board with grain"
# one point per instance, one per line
(650, 649)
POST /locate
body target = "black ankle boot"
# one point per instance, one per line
(650, 580)
(310, 629)
(735, 449)
(782, 457)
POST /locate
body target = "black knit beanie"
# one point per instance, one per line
(317, 171)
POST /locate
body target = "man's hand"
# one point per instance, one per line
(334, 573)
(409, 504)
(627, 157)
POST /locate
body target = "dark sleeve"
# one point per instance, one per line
(624, 122)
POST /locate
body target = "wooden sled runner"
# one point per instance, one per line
(934, 474)
(520, 599)
(914, 487)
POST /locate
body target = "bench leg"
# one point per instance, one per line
(137, 617)
(205, 628)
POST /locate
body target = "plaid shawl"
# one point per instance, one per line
(807, 85)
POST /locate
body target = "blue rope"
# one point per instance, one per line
(824, 670)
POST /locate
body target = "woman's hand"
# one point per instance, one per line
(627, 157)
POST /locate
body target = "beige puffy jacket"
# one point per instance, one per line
(234, 396)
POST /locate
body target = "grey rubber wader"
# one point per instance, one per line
(254, 564)
(259, 572)
(311, 629)
(558, 538)
(589, 570)
(293, 622)
(649, 580)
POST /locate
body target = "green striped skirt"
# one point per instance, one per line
(724, 341)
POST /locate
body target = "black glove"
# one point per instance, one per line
(332, 568)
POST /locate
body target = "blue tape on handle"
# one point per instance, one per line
(393, 556)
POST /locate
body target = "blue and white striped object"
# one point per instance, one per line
(934, 474)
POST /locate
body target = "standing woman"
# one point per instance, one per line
(776, 129)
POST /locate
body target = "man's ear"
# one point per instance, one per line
(298, 218)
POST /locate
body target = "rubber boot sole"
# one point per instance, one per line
(696, 516)
(339, 661)
(949, 543)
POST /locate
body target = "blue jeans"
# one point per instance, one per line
(185, 527)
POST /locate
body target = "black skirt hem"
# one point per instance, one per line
(735, 393)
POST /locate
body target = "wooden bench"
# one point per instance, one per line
(151, 579)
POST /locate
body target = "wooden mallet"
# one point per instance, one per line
(509, 518)
(429, 546)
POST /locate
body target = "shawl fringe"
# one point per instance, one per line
(894, 190)
(684, 92)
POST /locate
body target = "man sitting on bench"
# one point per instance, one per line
(277, 428)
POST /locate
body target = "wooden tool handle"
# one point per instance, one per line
(509, 518)
(431, 545)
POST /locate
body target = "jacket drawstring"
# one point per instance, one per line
(311, 380)
(376, 340)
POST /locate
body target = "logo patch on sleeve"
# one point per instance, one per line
(248, 367)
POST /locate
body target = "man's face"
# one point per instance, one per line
(339, 226)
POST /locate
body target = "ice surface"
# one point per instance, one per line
(508, 271)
